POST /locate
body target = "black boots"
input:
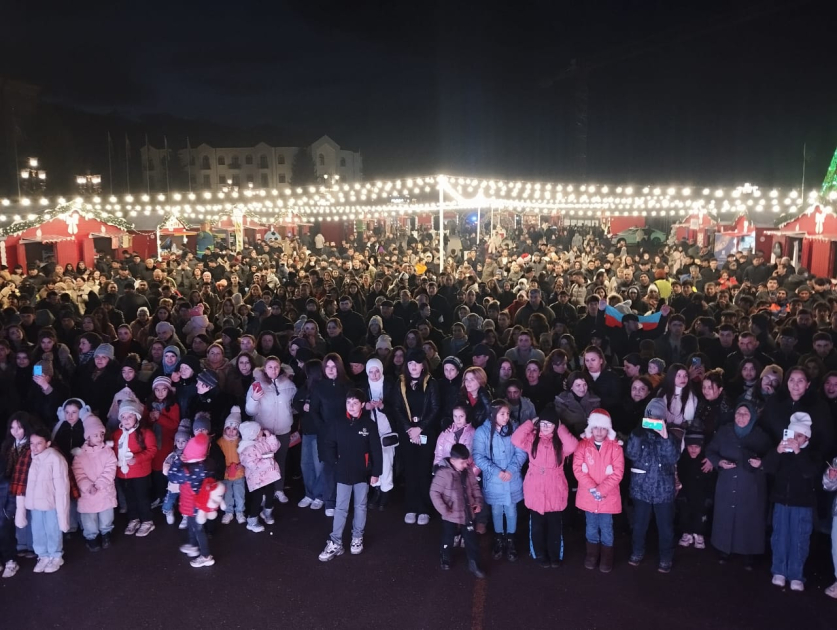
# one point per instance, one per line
(383, 499)
(105, 541)
(374, 498)
(497, 547)
(445, 559)
(93, 544)
(511, 552)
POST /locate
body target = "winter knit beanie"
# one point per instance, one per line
(92, 425)
(196, 448)
(234, 419)
(656, 409)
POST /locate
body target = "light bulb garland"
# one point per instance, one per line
(85, 210)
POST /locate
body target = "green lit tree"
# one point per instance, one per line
(829, 184)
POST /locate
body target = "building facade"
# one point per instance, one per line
(259, 167)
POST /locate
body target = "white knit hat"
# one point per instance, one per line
(800, 422)
(234, 419)
(599, 418)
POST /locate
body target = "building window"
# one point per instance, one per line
(263, 180)
(343, 162)
(281, 178)
(280, 159)
(193, 179)
(234, 162)
(262, 161)
(221, 160)
(236, 180)
(248, 159)
(205, 162)
(250, 179)
(322, 159)
(150, 165)
(207, 181)
(191, 160)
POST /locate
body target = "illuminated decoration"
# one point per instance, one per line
(339, 201)
(70, 212)
(829, 184)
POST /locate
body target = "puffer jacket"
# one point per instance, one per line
(602, 469)
(95, 466)
(545, 487)
(141, 463)
(448, 495)
(48, 486)
(573, 412)
(448, 438)
(165, 428)
(504, 456)
(260, 468)
(274, 411)
(653, 465)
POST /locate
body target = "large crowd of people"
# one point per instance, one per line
(545, 376)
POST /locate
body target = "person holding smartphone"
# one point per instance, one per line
(417, 403)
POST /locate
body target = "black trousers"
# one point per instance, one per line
(450, 530)
(281, 457)
(546, 534)
(254, 500)
(137, 497)
(418, 464)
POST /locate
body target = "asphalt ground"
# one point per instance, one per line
(274, 579)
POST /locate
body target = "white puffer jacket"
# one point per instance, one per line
(274, 411)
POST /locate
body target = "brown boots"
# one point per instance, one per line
(592, 557)
(606, 565)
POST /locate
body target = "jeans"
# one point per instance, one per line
(234, 496)
(664, 513)
(197, 537)
(510, 511)
(75, 520)
(450, 530)
(834, 544)
(24, 534)
(97, 523)
(170, 501)
(47, 539)
(792, 527)
(341, 510)
(137, 497)
(600, 528)
(546, 534)
(312, 468)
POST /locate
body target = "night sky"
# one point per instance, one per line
(682, 92)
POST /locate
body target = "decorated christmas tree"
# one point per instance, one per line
(829, 184)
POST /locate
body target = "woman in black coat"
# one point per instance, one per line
(417, 403)
(450, 384)
(328, 404)
(602, 380)
(741, 494)
(475, 394)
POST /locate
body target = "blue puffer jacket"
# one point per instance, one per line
(653, 466)
(503, 456)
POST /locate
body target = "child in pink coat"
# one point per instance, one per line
(256, 450)
(599, 465)
(94, 468)
(545, 489)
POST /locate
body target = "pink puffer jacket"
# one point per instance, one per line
(95, 466)
(260, 469)
(545, 487)
(602, 469)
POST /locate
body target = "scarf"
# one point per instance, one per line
(124, 453)
(85, 357)
(167, 370)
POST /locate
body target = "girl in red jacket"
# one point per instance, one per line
(135, 448)
(599, 465)
(164, 414)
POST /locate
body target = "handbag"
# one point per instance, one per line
(389, 439)
(295, 439)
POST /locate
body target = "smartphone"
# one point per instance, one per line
(651, 423)
(257, 387)
(696, 362)
(423, 439)
(787, 434)
(37, 370)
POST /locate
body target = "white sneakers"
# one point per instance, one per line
(267, 516)
(240, 518)
(700, 543)
(253, 525)
(306, 502)
(329, 512)
(12, 567)
(317, 504)
(170, 517)
(779, 580)
(53, 565)
(686, 540)
(357, 546)
(280, 496)
(332, 550)
(190, 550)
(797, 585)
(183, 524)
(146, 528)
(423, 519)
(41, 564)
(203, 561)
(132, 528)
(410, 518)
(227, 519)
(831, 591)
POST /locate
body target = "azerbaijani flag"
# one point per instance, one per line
(613, 318)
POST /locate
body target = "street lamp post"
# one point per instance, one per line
(89, 184)
(32, 178)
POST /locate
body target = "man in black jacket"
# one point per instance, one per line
(354, 447)
(353, 325)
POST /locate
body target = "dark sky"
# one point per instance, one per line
(692, 92)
